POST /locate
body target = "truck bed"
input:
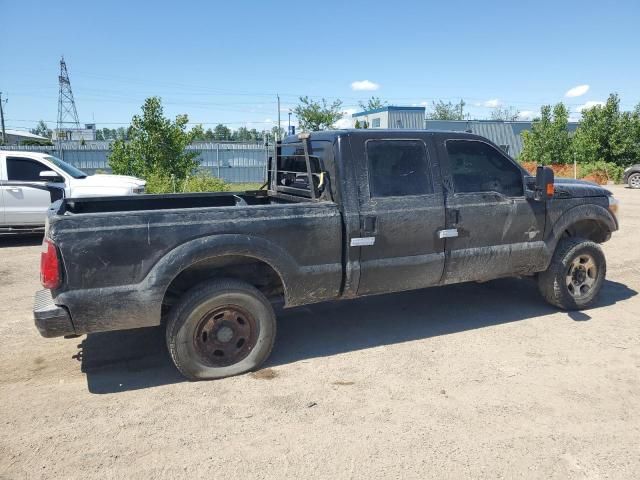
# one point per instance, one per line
(165, 202)
(120, 254)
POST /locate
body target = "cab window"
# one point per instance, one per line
(478, 167)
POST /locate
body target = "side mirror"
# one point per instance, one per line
(50, 176)
(544, 184)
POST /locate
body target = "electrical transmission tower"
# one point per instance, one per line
(67, 113)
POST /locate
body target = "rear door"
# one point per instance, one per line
(492, 229)
(401, 210)
(26, 196)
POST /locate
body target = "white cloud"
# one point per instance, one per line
(493, 103)
(577, 91)
(575, 117)
(526, 115)
(364, 85)
(346, 121)
(590, 104)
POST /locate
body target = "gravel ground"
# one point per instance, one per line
(475, 381)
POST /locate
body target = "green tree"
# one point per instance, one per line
(549, 140)
(314, 115)
(278, 133)
(254, 135)
(241, 135)
(506, 114)
(156, 145)
(357, 124)
(111, 133)
(609, 135)
(372, 104)
(121, 133)
(42, 129)
(209, 135)
(447, 111)
(222, 132)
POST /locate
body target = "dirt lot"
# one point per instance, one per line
(477, 380)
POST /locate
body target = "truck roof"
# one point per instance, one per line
(377, 132)
(25, 152)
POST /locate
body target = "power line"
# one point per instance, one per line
(273, 122)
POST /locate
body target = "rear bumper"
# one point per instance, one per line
(51, 320)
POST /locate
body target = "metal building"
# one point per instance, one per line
(506, 134)
(88, 133)
(392, 117)
(16, 137)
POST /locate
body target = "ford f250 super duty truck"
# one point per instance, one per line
(345, 213)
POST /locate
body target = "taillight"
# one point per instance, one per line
(50, 276)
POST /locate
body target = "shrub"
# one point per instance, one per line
(157, 183)
(564, 170)
(200, 182)
(204, 182)
(600, 172)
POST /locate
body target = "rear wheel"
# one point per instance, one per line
(575, 276)
(634, 180)
(220, 328)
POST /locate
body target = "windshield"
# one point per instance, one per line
(70, 169)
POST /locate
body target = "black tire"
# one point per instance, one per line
(220, 328)
(560, 284)
(634, 180)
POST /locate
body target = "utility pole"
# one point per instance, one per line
(4, 134)
(278, 117)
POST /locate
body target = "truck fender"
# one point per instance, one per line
(572, 217)
(194, 251)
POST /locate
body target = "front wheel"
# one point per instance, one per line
(634, 180)
(575, 276)
(220, 328)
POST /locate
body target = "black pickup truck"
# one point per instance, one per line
(344, 214)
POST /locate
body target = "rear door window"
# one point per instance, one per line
(398, 168)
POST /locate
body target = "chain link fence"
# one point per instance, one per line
(233, 162)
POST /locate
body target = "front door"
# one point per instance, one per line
(401, 210)
(494, 229)
(26, 196)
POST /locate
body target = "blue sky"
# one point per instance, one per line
(225, 61)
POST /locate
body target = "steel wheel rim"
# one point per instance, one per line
(225, 336)
(634, 180)
(581, 276)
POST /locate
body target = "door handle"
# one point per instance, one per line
(448, 233)
(369, 224)
(453, 216)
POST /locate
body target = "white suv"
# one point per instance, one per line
(29, 182)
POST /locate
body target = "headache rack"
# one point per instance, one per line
(291, 178)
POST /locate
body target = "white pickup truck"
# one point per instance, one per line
(30, 181)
